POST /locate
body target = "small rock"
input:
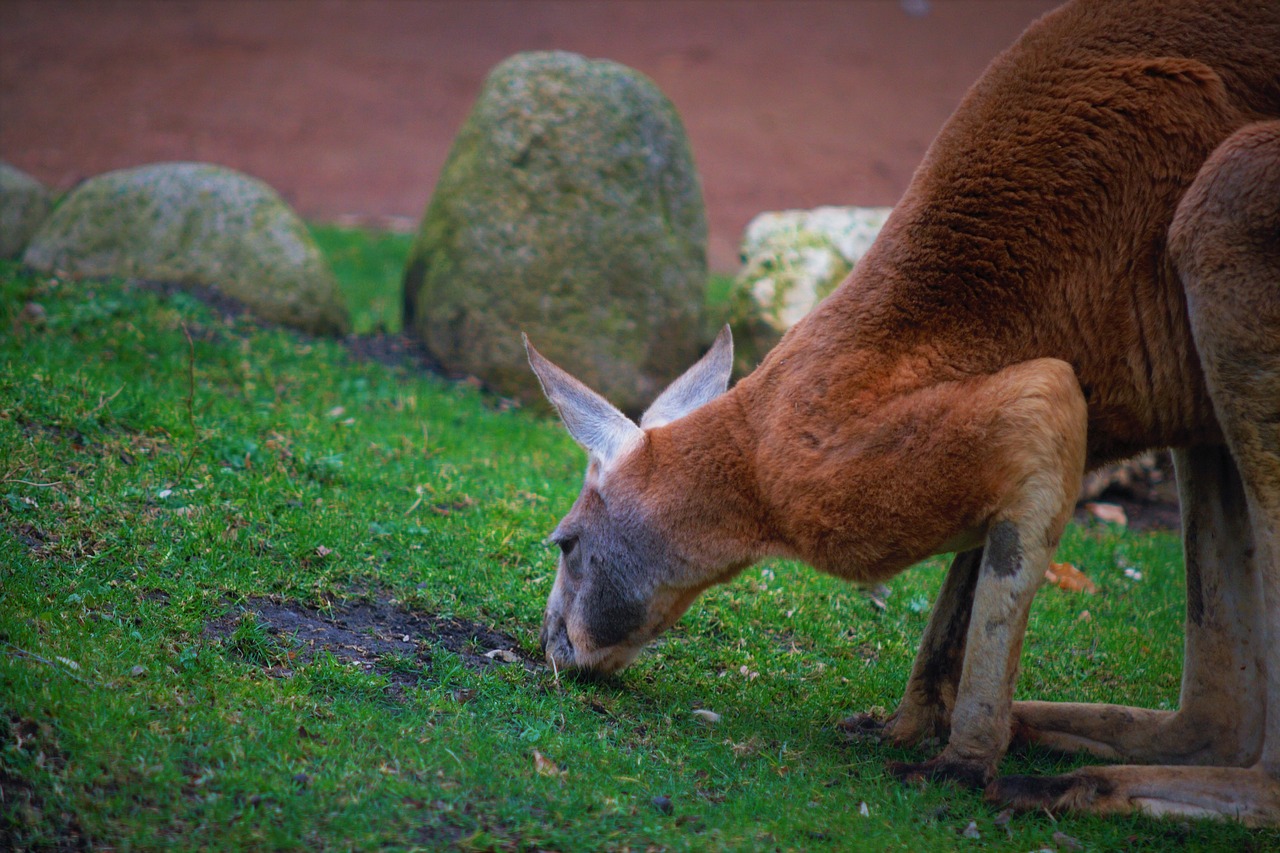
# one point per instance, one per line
(971, 831)
(138, 671)
(663, 804)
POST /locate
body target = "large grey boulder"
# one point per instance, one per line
(569, 208)
(24, 204)
(194, 223)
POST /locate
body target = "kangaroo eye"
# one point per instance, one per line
(567, 545)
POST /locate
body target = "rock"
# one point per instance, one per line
(1147, 477)
(568, 208)
(791, 260)
(195, 224)
(24, 204)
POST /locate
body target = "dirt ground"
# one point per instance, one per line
(348, 108)
(371, 634)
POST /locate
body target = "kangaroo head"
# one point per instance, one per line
(627, 567)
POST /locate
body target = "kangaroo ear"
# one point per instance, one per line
(699, 385)
(595, 424)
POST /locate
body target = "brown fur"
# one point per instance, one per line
(1025, 315)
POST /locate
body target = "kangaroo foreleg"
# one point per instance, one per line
(925, 710)
(1038, 435)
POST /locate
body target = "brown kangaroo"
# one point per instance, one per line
(1086, 265)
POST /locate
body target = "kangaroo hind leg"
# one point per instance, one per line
(1220, 709)
(1225, 241)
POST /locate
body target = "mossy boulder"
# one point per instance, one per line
(568, 208)
(24, 204)
(199, 224)
(791, 261)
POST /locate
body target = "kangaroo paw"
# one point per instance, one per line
(971, 774)
(1078, 791)
(863, 727)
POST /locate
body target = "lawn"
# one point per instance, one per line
(259, 593)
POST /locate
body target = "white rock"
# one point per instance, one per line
(793, 259)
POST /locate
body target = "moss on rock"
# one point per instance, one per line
(24, 204)
(569, 208)
(195, 223)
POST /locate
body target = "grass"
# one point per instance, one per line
(368, 266)
(164, 469)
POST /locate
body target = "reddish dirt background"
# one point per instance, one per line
(348, 108)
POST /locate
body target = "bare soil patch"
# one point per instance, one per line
(367, 633)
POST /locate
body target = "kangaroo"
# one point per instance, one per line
(1086, 265)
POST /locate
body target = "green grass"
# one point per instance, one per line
(368, 266)
(161, 466)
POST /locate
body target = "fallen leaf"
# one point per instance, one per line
(138, 671)
(504, 655)
(322, 551)
(863, 810)
(1110, 513)
(877, 595)
(1068, 577)
(1003, 820)
(33, 314)
(1085, 616)
(1066, 842)
(545, 766)
(709, 717)
(971, 831)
